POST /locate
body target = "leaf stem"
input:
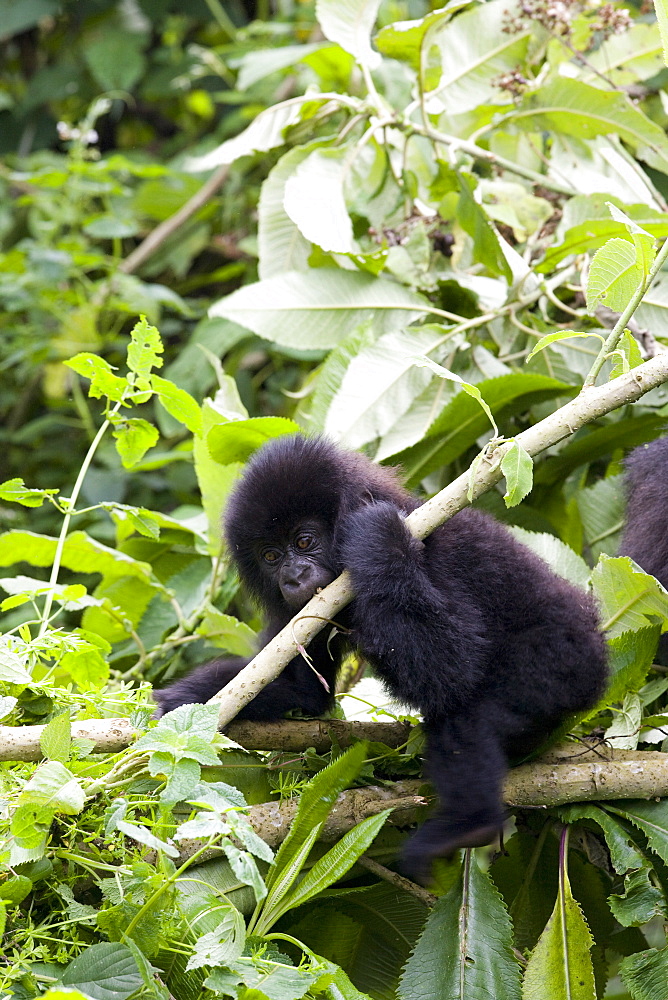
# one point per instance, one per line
(615, 334)
(55, 569)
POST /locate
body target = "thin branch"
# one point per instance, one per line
(398, 881)
(162, 232)
(591, 403)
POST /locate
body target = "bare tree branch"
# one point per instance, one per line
(289, 735)
(530, 785)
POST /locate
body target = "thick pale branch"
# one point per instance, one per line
(539, 784)
(289, 735)
(590, 404)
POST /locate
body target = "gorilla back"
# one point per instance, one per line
(469, 626)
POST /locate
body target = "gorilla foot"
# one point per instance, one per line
(436, 839)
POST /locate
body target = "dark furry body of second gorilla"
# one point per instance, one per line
(645, 536)
(469, 626)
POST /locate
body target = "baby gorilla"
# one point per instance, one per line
(469, 627)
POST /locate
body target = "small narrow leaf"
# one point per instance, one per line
(471, 390)
(517, 467)
(552, 338)
(337, 861)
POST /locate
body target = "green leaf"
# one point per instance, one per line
(237, 440)
(55, 787)
(631, 655)
(13, 668)
(645, 974)
(629, 599)
(624, 854)
(474, 50)
(569, 107)
(626, 723)
(178, 403)
(517, 467)
(616, 273)
(640, 902)
(404, 40)
(14, 890)
(339, 860)
(661, 11)
(650, 817)
(214, 480)
(471, 390)
(114, 56)
(144, 349)
(265, 978)
(226, 632)
(560, 964)
(245, 868)
(472, 218)
(551, 338)
(349, 23)
(316, 801)
(265, 132)
(318, 308)
(465, 951)
(461, 422)
(16, 491)
(134, 436)
(315, 201)
(144, 836)
(281, 245)
(81, 553)
(560, 557)
(102, 379)
(56, 738)
(380, 384)
(105, 971)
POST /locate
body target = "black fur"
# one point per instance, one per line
(469, 626)
(645, 536)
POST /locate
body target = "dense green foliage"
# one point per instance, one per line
(418, 239)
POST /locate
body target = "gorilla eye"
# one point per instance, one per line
(304, 541)
(270, 555)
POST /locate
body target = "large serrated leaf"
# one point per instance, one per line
(465, 951)
(105, 971)
(318, 308)
(645, 974)
(650, 817)
(560, 964)
(315, 804)
(629, 599)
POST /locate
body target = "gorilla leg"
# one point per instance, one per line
(466, 763)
